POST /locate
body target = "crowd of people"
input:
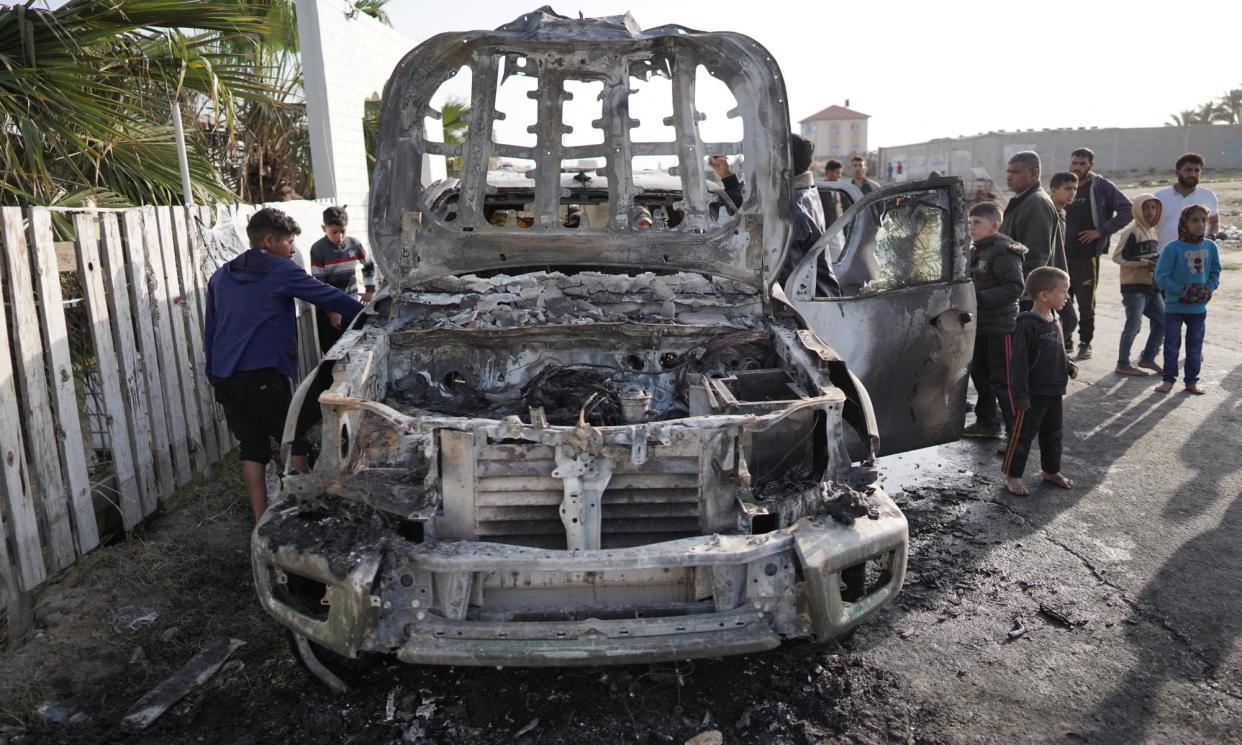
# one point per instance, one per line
(1036, 270)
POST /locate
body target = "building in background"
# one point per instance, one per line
(1134, 150)
(837, 132)
(347, 57)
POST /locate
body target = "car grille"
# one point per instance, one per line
(517, 501)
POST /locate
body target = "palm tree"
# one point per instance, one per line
(1231, 107)
(86, 92)
(1209, 113)
(1185, 118)
(86, 95)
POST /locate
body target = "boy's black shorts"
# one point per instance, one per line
(256, 403)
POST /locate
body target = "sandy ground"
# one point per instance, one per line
(1125, 592)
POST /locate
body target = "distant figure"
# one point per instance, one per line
(890, 170)
(996, 267)
(334, 260)
(1136, 251)
(1062, 189)
(1030, 217)
(640, 218)
(808, 224)
(732, 184)
(1039, 370)
(1184, 193)
(858, 165)
(1188, 272)
(1098, 211)
(833, 170)
(833, 207)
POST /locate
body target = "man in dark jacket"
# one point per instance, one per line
(1030, 217)
(808, 225)
(1098, 211)
(251, 341)
(996, 266)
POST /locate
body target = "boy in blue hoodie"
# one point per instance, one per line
(1188, 272)
(250, 336)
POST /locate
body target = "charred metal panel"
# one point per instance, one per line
(554, 49)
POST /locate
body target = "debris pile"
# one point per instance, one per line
(851, 504)
(541, 298)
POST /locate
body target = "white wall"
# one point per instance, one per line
(346, 59)
(1136, 150)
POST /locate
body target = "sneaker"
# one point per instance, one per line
(1084, 351)
(1130, 370)
(983, 431)
(1069, 346)
(1157, 369)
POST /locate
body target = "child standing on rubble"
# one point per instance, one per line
(1039, 370)
(996, 265)
(251, 342)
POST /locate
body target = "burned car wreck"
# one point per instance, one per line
(559, 439)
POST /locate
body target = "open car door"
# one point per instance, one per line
(905, 321)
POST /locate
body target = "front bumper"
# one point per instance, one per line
(474, 603)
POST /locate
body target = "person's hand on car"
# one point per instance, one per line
(720, 165)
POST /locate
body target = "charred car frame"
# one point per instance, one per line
(557, 439)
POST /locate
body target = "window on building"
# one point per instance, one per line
(836, 127)
(853, 126)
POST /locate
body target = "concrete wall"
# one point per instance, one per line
(1116, 150)
(347, 57)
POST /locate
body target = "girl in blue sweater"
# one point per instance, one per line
(1188, 272)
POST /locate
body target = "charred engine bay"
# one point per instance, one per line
(611, 349)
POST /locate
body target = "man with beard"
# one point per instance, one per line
(1098, 211)
(1181, 195)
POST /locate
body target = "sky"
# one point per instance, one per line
(924, 70)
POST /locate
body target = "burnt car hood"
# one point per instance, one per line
(413, 242)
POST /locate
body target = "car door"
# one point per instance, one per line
(905, 321)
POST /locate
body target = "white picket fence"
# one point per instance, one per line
(142, 291)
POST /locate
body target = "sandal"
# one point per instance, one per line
(1194, 389)
(1164, 387)
(1130, 370)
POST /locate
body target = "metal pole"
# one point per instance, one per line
(182, 159)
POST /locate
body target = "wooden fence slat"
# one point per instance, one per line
(46, 485)
(165, 341)
(64, 389)
(90, 273)
(191, 284)
(17, 501)
(176, 314)
(10, 587)
(137, 272)
(223, 435)
(137, 405)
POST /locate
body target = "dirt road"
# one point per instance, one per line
(1106, 614)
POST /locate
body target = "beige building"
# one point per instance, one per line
(837, 132)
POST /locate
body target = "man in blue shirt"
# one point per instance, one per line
(251, 341)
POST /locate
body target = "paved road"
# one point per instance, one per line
(1138, 570)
